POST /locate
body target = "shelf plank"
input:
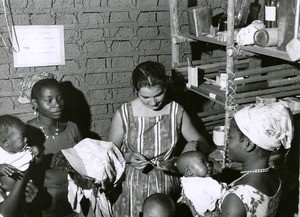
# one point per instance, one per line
(267, 51)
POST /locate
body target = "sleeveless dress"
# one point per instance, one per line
(156, 138)
(52, 200)
(256, 203)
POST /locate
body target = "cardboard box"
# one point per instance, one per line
(199, 20)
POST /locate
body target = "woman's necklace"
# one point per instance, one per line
(44, 132)
(246, 172)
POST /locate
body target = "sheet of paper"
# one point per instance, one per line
(38, 45)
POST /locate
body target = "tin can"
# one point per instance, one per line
(266, 37)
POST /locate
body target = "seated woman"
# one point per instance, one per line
(147, 129)
(255, 132)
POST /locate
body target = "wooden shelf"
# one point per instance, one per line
(267, 51)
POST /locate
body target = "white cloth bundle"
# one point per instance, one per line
(246, 35)
(20, 160)
(203, 192)
(99, 160)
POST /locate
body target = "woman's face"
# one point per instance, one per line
(50, 102)
(234, 143)
(152, 97)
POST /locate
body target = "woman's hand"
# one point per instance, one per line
(30, 192)
(138, 160)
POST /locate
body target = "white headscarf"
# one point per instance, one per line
(268, 126)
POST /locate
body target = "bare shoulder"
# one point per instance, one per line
(232, 206)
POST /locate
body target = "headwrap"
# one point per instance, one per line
(27, 83)
(267, 125)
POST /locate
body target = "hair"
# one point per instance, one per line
(162, 200)
(36, 89)
(148, 74)
(7, 122)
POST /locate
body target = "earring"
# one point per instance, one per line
(34, 111)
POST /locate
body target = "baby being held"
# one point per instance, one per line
(15, 155)
(199, 191)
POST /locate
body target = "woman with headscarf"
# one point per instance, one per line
(52, 134)
(255, 132)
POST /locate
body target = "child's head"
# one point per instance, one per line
(193, 163)
(47, 98)
(158, 205)
(12, 134)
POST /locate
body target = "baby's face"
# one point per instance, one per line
(16, 139)
(201, 168)
(156, 211)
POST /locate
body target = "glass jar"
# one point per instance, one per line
(271, 13)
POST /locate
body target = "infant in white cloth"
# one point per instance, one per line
(102, 163)
(199, 191)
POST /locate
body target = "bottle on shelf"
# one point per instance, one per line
(271, 13)
(222, 25)
(254, 12)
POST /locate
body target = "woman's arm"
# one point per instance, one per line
(232, 206)
(116, 132)
(190, 133)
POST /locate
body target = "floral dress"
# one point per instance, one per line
(156, 138)
(256, 203)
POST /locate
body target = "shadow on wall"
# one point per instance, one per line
(77, 109)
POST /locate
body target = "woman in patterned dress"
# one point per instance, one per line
(255, 132)
(147, 130)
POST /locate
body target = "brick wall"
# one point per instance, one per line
(104, 41)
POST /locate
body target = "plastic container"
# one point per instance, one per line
(266, 37)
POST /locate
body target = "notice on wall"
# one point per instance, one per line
(38, 45)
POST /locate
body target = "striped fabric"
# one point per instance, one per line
(156, 138)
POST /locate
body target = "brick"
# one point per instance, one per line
(121, 77)
(72, 49)
(96, 63)
(91, 18)
(147, 32)
(122, 62)
(94, 47)
(165, 60)
(63, 4)
(92, 35)
(119, 17)
(96, 79)
(150, 44)
(42, 19)
(102, 128)
(123, 93)
(41, 4)
(98, 110)
(5, 86)
(71, 35)
(97, 96)
(126, 32)
(6, 105)
(165, 45)
(147, 58)
(72, 66)
(4, 68)
(3, 51)
(145, 17)
(163, 17)
(16, 4)
(147, 2)
(21, 19)
(76, 80)
(115, 3)
(64, 19)
(122, 47)
(92, 3)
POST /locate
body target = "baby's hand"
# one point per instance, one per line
(7, 170)
(35, 151)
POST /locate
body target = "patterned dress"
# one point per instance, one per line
(156, 138)
(256, 203)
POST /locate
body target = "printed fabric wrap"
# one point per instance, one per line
(267, 125)
(27, 83)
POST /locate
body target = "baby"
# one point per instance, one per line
(158, 205)
(15, 156)
(199, 191)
